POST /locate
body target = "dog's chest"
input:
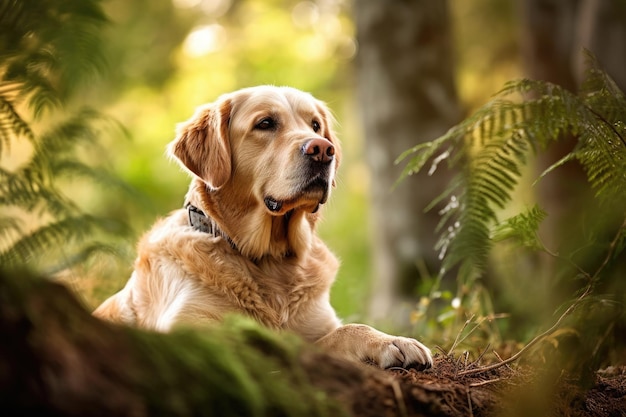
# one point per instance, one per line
(282, 290)
(190, 275)
(285, 290)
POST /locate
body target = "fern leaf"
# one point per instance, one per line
(48, 49)
(498, 137)
(521, 228)
(55, 41)
(423, 152)
(65, 136)
(27, 189)
(604, 161)
(10, 228)
(54, 235)
(12, 126)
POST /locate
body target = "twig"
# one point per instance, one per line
(486, 382)
(458, 335)
(499, 357)
(399, 369)
(533, 342)
(567, 312)
(482, 354)
(443, 352)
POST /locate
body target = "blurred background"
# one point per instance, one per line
(395, 73)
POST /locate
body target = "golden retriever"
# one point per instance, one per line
(263, 161)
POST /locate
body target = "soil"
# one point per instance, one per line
(455, 388)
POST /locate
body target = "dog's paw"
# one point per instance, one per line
(404, 352)
(366, 344)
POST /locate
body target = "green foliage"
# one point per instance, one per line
(492, 146)
(493, 149)
(48, 50)
(261, 370)
(522, 228)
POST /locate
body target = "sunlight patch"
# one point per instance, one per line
(204, 40)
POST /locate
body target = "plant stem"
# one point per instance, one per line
(567, 312)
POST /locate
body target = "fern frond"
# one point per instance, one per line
(41, 94)
(51, 48)
(424, 152)
(57, 234)
(10, 227)
(489, 181)
(601, 93)
(79, 47)
(521, 228)
(12, 126)
(495, 151)
(32, 190)
(604, 161)
(65, 136)
(494, 143)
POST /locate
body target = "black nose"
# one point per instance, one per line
(319, 150)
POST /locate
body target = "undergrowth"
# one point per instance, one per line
(49, 54)
(491, 150)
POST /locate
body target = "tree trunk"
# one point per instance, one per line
(407, 96)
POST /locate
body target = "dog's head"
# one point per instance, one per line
(274, 144)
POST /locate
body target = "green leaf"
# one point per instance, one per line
(521, 228)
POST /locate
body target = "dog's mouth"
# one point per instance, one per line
(312, 194)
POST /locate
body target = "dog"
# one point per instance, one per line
(263, 161)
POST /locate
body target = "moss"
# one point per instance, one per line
(64, 361)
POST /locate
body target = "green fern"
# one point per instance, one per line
(522, 228)
(12, 127)
(48, 51)
(492, 145)
(56, 234)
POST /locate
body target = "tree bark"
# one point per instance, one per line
(407, 95)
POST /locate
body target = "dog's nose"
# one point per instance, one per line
(319, 150)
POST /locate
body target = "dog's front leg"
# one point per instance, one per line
(366, 344)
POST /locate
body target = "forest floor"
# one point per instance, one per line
(455, 388)
(61, 361)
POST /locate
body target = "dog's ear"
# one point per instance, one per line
(202, 144)
(328, 121)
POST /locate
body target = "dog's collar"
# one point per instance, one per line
(202, 223)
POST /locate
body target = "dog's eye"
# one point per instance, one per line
(266, 124)
(316, 126)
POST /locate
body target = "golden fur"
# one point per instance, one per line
(263, 159)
